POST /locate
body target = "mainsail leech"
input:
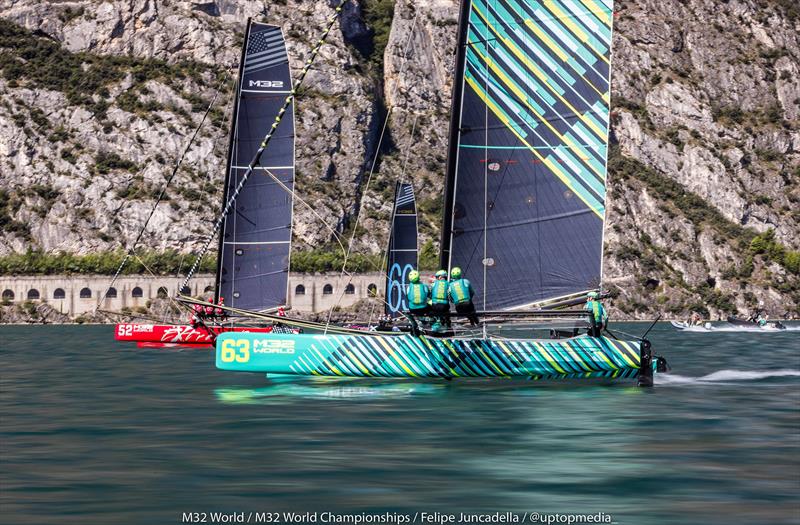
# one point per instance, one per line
(527, 167)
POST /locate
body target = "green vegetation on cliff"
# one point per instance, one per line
(84, 78)
(168, 262)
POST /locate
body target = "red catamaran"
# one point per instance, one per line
(255, 233)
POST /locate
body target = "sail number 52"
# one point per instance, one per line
(235, 350)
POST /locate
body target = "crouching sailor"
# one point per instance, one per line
(598, 317)
(439, 302)
(461, 292)
(417, 294)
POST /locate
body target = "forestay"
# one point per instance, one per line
(255, 238)
(527, 167)
(402, 253)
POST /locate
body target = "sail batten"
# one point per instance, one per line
(255, 240)
(403, 253)
(527, 173)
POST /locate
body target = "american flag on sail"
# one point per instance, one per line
(405, 196)
(264, 49)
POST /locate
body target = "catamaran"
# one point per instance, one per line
(254, 240)
(524, 216)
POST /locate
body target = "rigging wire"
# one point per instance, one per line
(257, 158)
(384, 261)
(371, 173)
(163, 192)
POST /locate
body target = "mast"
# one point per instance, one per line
(455, 125)
(234, 115)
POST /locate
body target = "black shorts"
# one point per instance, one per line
(420, 311)
(440, 308)
(465, 308)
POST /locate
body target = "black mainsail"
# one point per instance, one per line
(254, 245)
(525, 192)
(402, 254)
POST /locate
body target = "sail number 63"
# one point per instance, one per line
(235, 350)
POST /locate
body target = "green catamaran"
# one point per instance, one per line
(524, 213)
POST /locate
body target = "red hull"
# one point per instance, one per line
(170, 335)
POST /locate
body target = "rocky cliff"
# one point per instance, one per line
(99, 100)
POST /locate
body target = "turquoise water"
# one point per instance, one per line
(96, 432)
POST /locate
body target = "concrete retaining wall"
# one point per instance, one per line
(77, 294)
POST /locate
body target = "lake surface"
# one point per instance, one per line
(97, 432)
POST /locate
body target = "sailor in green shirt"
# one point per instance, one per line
(461, 292)
(439, 302)
(417, 294)
(597, 314)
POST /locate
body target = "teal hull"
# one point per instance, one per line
(373, 355)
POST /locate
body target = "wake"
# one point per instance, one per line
(725, 375)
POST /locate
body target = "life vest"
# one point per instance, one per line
(417, 295)
(597, 310)
(439, 292)
(459, 291)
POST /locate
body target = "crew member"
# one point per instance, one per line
(209, 310)
(220, 312)
(461, 292)
(439, 301)
(597, 314)
(197, 316)
(417, 294)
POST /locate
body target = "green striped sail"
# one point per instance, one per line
(528, 175)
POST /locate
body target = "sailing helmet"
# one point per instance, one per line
(413, 276)
(592, 295)
(441, 274)
(455, 273)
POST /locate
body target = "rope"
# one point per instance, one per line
(371, 172)
(384, 262)
(257, 158)
(130, 251)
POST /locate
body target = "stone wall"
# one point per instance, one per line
(78, 294)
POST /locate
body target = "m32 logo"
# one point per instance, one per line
(273, 346)
(266, 83)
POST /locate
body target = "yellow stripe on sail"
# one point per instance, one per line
(536, 71)
(601, 14)
(549, 42)
(547, 162)
(576, 31)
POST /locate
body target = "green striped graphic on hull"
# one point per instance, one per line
(406, 355)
